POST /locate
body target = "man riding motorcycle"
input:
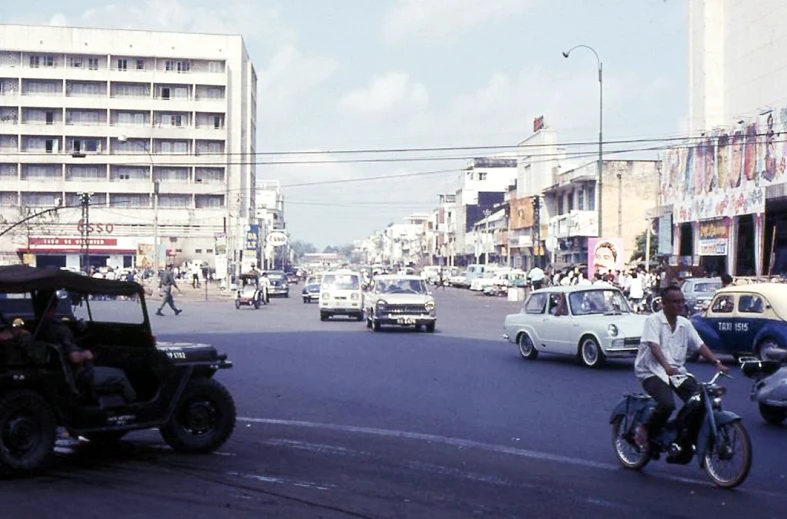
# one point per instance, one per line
(667, 337)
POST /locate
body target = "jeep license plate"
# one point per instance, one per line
(406, 320)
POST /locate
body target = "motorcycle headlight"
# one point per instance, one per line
(612, 330)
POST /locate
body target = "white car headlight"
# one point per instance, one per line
(381, 303)
(325, 295)
(429, 305)
(612, 330)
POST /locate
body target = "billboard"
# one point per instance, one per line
(665, 234)
(605, 255)
(252, 241)
(714, 237)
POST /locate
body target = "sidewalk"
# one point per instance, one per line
(191, 295)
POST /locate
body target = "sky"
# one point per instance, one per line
(359, 75)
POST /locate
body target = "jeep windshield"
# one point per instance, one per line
(602, 301)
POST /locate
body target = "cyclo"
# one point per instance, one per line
(250, 292)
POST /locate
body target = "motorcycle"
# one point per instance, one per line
(770, 384)
(701, 428)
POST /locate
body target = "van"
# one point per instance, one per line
(341, 293)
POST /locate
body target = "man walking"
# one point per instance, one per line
(166, 285)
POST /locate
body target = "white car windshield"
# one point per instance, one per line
(400, 286)
(341, 282)
(606, 301)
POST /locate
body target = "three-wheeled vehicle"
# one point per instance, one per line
(41, 389)
(250, 292)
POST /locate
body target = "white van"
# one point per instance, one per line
(341, 293)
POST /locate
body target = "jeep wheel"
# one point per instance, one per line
(27, 432)
(203, 420)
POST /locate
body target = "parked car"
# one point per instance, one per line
(174, 384)
(280, 286)
(745, 320)
(311, 290)
(698, 293)
(401, 301)
(591, 322)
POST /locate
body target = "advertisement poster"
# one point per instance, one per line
(725, 174)
(605, 255)
(220, 255)
(252, 241)
(144, 255)
(665, 234)
(714, 237)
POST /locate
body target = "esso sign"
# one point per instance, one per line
(98, 228)
(276, 239)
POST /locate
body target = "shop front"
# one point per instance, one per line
(71, 252)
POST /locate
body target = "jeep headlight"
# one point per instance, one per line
(612, 330)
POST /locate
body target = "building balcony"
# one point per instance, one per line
(575, 223)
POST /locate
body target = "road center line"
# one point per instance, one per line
(470, 444)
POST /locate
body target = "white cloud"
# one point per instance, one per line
(441, 17)
(287, 76)
(387, 94)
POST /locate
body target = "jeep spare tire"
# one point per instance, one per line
(27, 432)
(203, 420)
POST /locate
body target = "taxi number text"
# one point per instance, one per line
(733, 327)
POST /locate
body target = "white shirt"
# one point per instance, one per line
(536, 274)
(635, 288)
(674, 345)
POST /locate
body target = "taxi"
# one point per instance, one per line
(745, 320)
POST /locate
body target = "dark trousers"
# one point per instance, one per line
(665, 403)
(106, 376)
(538, 284)
(168, 300)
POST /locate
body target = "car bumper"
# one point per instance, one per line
(405, 320)
(349, 308)
(621, 347)
(278, 291)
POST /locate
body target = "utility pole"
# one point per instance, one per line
(537, 225)
(487, 212)
(620, 204)
(84, 201)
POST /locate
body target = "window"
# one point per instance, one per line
(49, 61)
(75, 62)
(591, 198)
(536, 304)
(218, 121)
(34, 61)
(751, 305)
(49, 145)
(570, 199)
(170, 65)
(723, 304)
(165, 93)
(176, 120)
(214, 66)
(482, 176)
(581, 200)
(197, 251)
(560, 204)
(92, 63)
(122, 64)
(50, 117)
(183, 66)
(140, 64)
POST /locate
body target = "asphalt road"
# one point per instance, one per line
(338, 421)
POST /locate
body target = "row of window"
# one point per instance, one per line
(180, 66)
(97, 117)
(73, 88)
(585, 200)
(113, 173)
(128, 200)
(44, 144)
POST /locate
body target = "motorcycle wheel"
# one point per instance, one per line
(772, 414)
(728, 460)
(625, 451)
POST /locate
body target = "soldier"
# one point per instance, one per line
(166, 285)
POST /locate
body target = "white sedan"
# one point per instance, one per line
(592, 323)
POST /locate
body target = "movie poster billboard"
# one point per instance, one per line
(605, 255)
(714, 237)
(725, 174)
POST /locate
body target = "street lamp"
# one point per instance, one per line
(144, 146)
(600, 182)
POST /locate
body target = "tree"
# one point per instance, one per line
(640, 242)
(299, 248)
(331, 249)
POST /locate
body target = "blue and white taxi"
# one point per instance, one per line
(745, 319)
(590, 322)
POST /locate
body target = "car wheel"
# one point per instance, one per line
(359, 316)
(590, 352)
(237, 304)
(323, 316)
(773, 415)
(203, 420)
(430, 327)
(763, 347)
(526, 347)
(28, 430)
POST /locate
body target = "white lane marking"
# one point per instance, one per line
(445, 440)
(462, 443)
(282, 481)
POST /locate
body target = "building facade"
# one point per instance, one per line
(155, 130)
(724, 190)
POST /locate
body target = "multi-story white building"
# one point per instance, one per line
(270, 215)
(123, 115)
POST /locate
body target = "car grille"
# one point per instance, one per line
(631, 341)
(406, 309)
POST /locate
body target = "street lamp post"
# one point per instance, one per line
(145, 147)
(600, 181)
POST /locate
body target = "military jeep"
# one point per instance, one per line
(174, 384)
